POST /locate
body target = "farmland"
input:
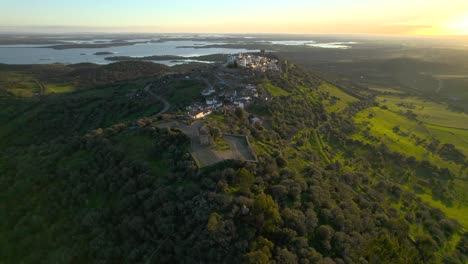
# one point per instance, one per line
(442, 123)
(275, 91)
(399, 133)
(427, 111)
(410, 137)
(336, 99)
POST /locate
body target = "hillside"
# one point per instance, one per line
(88, 176)
(35, 80)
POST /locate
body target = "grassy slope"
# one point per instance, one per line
(386, 90)
(339, 105)
(458, 137)
(381, 125)
(25, 84)
(138, 147)
(55, 88)
(427, 111)
(275, 91)
(183, 92)
(72, 113)
(18, 84)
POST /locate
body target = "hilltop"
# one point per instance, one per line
(341, 175)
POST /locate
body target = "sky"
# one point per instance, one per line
(389, 17)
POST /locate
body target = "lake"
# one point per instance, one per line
(38, 54)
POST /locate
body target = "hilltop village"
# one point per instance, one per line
(260, 63)
(228, 87)
(229, 90)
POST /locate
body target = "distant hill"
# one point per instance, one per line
(116, 71)
(24, 80)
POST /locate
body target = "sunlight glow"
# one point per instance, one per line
(455, 24)
(461, 24)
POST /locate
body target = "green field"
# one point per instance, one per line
(443, 124)
(382, 124)
(457, 212)
(343, 99)
(386, 90)
(18, 84)
(275, 91)
(458, 137)
(139, 147)
(183, 92)
(427, 111)
(27, 85)
(55, 88)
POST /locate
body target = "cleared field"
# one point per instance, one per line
(337, 100)
(26, 85)
(449, 76)
(54, 88)
(140, 148)
(426, 111)
(22, 92)
(386, 90)
(381, 124)
(18, 84)
(205, 157)
(229, 147)
(457, 137)
(182, 93)
(457, 211)
(238, 149)
(275, 91)
(445, 125)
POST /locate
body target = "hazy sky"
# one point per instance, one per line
(433, 17)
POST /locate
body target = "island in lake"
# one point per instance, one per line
(102, 53)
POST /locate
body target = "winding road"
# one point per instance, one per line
(167, 105)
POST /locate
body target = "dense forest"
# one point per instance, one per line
(88, 177)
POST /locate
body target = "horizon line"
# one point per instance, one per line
(227, 33)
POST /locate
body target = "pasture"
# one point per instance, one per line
(411, 138)
(427, 111)
(386, 90)
(18, 84)
(27, 85)
(457, 137)
(336, 99)
(56, 88)
(275, 91)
